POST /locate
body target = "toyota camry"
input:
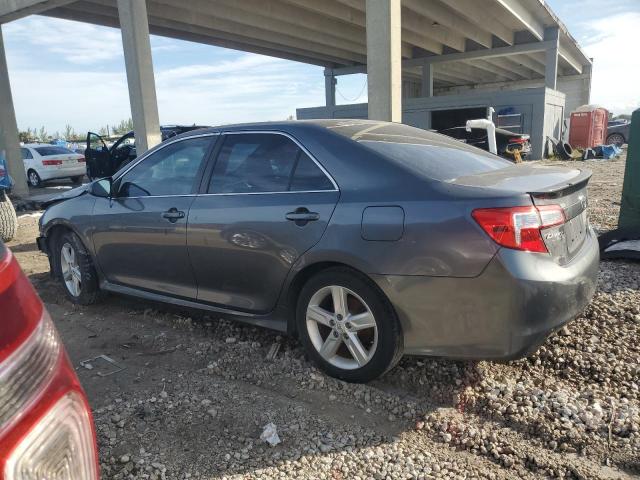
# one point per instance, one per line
(367, 240)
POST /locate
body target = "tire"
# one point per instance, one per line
(8, 218)
(34, 179)
(615, 139)
(86, 290)
(381, 346)
(77, 180)
(564, 150)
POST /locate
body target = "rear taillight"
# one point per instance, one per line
(81, 160)
(48, 163)
(58, 447)
(521, 140)
(46, 430)
(519, 227)
(26, 372)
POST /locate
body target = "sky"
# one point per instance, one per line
(65, 72)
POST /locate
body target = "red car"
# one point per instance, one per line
(46, 427)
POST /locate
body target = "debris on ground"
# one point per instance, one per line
(270, 434)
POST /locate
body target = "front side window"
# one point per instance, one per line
(172, 170)
(264, 162)
(26, 154)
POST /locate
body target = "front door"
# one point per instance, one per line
(139, 235)
(266, 203)
(97, 157)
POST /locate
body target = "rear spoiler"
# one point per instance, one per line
(564, 188)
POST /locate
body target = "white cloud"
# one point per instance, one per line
(612, 42)
(73, 42)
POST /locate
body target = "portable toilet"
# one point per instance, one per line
(588, 126)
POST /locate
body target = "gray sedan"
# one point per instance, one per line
(367, 240)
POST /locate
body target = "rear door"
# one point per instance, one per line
(266, 202)
(140, 235)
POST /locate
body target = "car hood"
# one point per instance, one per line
(61, 197)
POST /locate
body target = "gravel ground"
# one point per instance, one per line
(197, 392)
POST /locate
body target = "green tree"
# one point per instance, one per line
(123, 127)
(69, 133)
(43, 136)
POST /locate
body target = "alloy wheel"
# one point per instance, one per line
(341, 327)
(616, 139)
(70, 269)
(33, 179)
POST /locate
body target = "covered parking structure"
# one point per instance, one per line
(427, 56)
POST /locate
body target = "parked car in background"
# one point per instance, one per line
(618, 132)
(44, 162)
(104, 160)
(505, 140)
(46, 428)
(365, 239)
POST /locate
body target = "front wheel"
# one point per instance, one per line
(75, 269)
(347, 326)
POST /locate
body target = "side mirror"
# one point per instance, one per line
(101, 188)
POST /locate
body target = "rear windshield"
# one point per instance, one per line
(424, 153)
(437, 162)
(46, 151)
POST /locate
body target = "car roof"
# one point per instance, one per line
(37, 145)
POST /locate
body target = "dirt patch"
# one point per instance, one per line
(196, 392)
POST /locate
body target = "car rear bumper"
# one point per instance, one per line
(63, 172)
(506, 312)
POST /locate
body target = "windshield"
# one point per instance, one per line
(46, 151)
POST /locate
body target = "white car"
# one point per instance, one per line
(43, 161)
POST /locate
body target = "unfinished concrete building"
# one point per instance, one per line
(430, 63)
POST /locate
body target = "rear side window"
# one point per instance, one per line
(438, 162)
(46, 151)
(308, 176)
(26, 154)
(264, 162)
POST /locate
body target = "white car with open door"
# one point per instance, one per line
(43, 161)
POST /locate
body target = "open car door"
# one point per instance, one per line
(97, 156)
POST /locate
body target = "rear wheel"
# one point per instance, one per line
(77, 179)
(34, 179)
(615, 139)
(75, 269)
(347, 326)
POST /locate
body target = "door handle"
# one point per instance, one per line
(173, 214)
(301, 216)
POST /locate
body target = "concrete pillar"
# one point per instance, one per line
(551, 58)
(134, 25)
(9, 142)
(384, 60)
(427, 80)
(330, 87)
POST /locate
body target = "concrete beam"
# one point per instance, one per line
(551, 57)
(570, 59)
(9, 142)
(384, 61)
(15, 9)
(134, 26)
(440, 14)
(329, 88)
(518, 9)
(482, 14)
(427, 80)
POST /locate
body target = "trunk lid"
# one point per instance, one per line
(566, 187)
